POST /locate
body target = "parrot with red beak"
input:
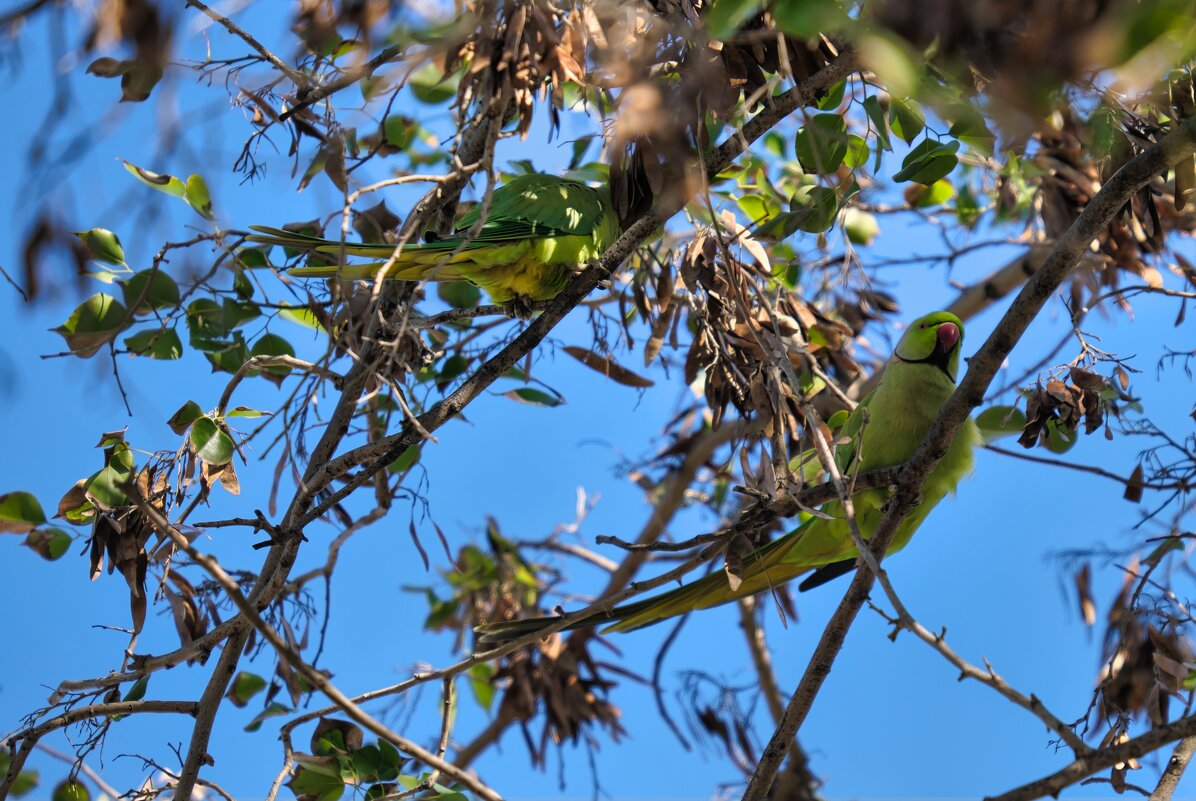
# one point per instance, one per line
(918, 379)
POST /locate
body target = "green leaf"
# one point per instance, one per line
(973, 132)
(253, 258)
(244, 687)
(273, 345)
(1059, 440)
(430, 85)
(997, 422)
(70, 790)
(137, 691)
(26, 780)
(105, 488)
(236, 313)
(857, 151)
(274, 709)
(967, 209)
(195, 192)
(205, 321)
(405, 461)
(318, 785)
(459, 294)
(880, 125)
(303, 316)
(452, 367)
(20, 512)
(366, 763)
(162, 182)
(103, 245)
(398, 131)
(227, 356)
(726, 16)
(822, 144)
(534, 396)
(860, 226)
(392, 760)
(905, 118)
(94, 323)
(187, 414)
(147, 290)
(210, 442)
(816, 207)
(928, 162)
(48, 543)
(245, 411)
(834, 95)
(155, 343)
(480, 676)
(936, 194)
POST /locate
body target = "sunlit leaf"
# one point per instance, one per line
(20, 512)
(48, 543)
(928, 162)
(187, 414)
(94, 323)
(210, 442)
(534, 396)
(103, 245)
(244, 687)
(155, 343)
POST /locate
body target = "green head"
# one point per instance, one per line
(935, 339)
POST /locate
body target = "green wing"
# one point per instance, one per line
(534, 206)
(525, 207)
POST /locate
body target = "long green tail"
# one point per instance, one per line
(433, 261)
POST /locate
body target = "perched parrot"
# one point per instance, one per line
(918, 379)
(540, 230)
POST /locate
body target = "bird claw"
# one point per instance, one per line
(519, 307)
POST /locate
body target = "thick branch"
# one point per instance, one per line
(1085, 766)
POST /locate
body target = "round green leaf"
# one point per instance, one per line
(150, 289)
(244, 687)
(398, 131)
(48, 543)
(860, 226)
(181, 420)
(996, 422)
(816, 207)
(459, 294)
(905, 118)
(430, 85)
(822, 144)
(70, 790)
(273, 345)
(210, 442)
(155, 343)
(93, 324)
(20, 512)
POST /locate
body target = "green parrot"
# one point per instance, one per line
(540, 230)
(918, 379)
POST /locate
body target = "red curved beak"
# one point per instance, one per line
(948, 334)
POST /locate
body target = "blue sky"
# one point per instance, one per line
(891, 721)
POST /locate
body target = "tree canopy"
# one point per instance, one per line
(306, 484)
